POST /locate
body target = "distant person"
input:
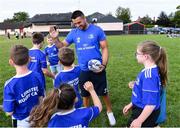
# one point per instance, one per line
(17, 35)
(57, 109)
(38, 58)
(88, 40)
(23, 91)
(51, 52)
(8, 35)
(70, 74)
(145, 103)
(22, 35)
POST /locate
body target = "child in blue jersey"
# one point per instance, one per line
(23, 91)
(51, 52)
(70, 74)
(38, 58)
(57, 109)
(145, 101)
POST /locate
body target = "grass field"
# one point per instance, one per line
(121, 69)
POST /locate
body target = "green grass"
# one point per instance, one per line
(121, 69)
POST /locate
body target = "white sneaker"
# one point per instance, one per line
(112, 120)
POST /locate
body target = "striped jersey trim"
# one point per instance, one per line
(145, 90)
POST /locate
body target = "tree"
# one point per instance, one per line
(146, 20)
(163, 20)
(177, 17)
(123, 14)
(171, 18)
(109, 14)
(178, 7)
(18, 17)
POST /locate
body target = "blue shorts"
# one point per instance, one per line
(55, 68)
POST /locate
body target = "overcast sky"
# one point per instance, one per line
(137, 7)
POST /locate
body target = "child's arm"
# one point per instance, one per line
(48, 73)
(89, 87)
(148, 109)
(9, 113)
(54, 34)
(127, 108)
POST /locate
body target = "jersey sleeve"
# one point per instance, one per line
(150, 91)
(41, 85)
(57, 81)
(45, 51)
(8, 100)
(43, 61)
(93, 113)
(69, 37)
(101, 35)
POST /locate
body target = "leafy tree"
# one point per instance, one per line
(163, 20)
(146, 20)
(18, 17)
(177, 17)
(171, 18)
(123, 14)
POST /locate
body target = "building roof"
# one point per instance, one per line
(62, 19)
(56, 17)
(109, 19)
(96, 15)
(14, 25)
(129, 24)
(101, 18)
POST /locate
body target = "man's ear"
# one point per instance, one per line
(11, 62)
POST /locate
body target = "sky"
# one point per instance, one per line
(137, 7)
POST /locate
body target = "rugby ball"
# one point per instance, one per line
(94, 65)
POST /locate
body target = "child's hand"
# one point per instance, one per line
(126, 109)
(131, 84)
(53, 33)
(88, 86)
(101, 68)
(136, 124)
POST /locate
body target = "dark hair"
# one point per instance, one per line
(76, 14)
(62, 98)
(158, 54)
(19, 54)
(37, 38)
(66, 56)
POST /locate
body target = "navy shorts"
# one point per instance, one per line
(149, 122)
(98, 79)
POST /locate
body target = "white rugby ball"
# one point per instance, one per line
(94, 65)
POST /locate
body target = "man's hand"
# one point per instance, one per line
(101, 68)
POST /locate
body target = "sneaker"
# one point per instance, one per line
(112, 120)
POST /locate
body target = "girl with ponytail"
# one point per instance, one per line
(145, 101)
(57, 109)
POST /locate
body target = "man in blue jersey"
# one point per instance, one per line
(23, 91)
(38, 58)
(88, 40)
(70, 74)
